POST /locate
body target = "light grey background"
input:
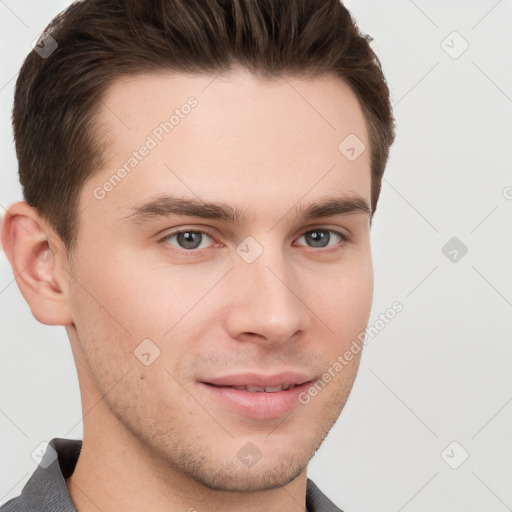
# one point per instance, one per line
(441, 370)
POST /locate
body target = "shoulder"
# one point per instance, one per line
(317, 501)
(45, 490)
(17, 504)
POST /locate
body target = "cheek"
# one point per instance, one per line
(123, 298)
(356, 295)
(119, 364)
(104, 300)
(342, 299)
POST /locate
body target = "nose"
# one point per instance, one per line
(267, 305)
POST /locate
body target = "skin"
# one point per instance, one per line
(153, 438)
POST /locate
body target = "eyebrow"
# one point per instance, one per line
(168, 205)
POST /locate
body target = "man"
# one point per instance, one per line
(199, 183)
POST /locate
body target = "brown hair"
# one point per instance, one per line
(98, 41)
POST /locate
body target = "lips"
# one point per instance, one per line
(258, 396)
(255, 380)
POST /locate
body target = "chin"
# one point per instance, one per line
(214, 469)
(237, 478)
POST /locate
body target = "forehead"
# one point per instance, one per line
(231, 138)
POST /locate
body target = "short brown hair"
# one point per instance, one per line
(100, 40)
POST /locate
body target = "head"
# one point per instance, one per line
(200, 179)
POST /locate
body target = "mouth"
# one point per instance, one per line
(258, 396)
(260, 389)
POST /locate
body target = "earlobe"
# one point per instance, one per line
(36, 258)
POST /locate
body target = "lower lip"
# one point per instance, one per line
(260, 405)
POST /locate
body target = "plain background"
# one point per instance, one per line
(440, 371)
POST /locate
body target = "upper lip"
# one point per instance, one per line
(290, 378)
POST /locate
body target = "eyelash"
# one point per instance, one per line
(343, 238)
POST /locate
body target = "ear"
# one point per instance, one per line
(39, 262)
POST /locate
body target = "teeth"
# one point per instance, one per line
(274, 389)
(266, 389)
(254, 389)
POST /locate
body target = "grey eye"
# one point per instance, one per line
(321, 237)
(189, 240)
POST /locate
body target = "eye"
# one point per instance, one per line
(320, 238)
(188, 239)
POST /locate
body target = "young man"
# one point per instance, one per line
(200, 179)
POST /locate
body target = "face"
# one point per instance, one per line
(208, 318)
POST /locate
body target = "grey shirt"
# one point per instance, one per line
(46, 489)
